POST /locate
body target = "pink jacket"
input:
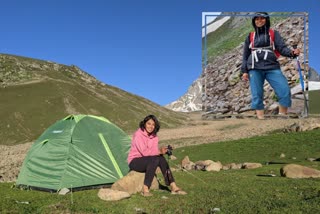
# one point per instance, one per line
(143, 145)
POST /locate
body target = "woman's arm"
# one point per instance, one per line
(281, 46)
(245, 55)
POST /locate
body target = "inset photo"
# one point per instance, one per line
(255, 64)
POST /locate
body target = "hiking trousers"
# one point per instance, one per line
(149, 164)
(278, 82)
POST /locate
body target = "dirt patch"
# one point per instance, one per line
(11, 160)
(196, 131)
(201, 131)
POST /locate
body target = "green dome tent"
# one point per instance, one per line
(77, 151)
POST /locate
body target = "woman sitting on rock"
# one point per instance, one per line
(145, 155)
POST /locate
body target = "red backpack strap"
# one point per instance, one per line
(271, 33)
(251, 36)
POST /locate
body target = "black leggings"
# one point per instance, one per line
(149, 165)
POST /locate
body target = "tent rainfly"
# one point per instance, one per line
(75, 152)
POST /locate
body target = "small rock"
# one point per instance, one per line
(63, 191)
(173, 157)
(185, 161)
(282, 155)
(251, 165)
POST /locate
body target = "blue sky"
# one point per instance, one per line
(146, 47)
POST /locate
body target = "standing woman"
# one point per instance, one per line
(145, 155)
(260, 63)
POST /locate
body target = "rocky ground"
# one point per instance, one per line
(196, 131)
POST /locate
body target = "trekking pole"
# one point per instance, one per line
(305, 112)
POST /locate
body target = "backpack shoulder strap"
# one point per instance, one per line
(251, 36)
(271, 34)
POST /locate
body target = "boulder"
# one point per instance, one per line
(133, 183)
(298, 171)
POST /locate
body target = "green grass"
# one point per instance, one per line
(314, 102)
(232, 191)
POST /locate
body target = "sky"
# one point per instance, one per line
(208, 17)
(150, 48)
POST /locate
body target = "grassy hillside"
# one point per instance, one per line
(35, 93)
(225, 38)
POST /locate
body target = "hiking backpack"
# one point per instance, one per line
(271, 34)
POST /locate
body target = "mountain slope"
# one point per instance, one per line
(35, 93)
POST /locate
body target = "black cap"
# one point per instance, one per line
(261, 14)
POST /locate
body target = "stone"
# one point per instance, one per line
(282, 155)
(215, 166)
(189, 166)
(232, 166)
(185, 161)
(112, 195)
(298, 171)
(133, 183)
(251, 165)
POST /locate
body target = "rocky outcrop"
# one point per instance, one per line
(191, 101)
